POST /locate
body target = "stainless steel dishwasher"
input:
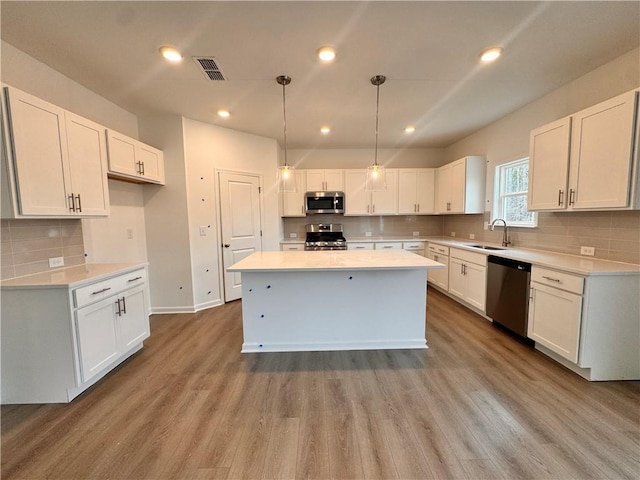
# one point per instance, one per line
(508, 293)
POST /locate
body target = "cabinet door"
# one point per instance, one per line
(457, 282)
(458, 186)
(133, 323)
(39, 147)
(554, 320)
(87, 165)
(425, 190)
(443, 176)
(293, 203)
(549, 166)
(97, 337)
(334, 180)
(476, 288)
(122, 154)
(407, 191)
(602, 154)
(439, 277)
(315, 180)
(356, 199)
(151, 163)
(386, 203)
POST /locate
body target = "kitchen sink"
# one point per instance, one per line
(486, 247)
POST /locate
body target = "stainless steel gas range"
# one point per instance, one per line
(325, 236)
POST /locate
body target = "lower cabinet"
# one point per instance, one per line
(440, 254)
(468, 277)
(57, 341)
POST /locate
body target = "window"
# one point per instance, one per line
(512, 181)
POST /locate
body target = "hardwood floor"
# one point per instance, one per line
(476, 404)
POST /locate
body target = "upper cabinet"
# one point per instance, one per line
(416, 191)
(460, 186)
(323, 180)
(292, 204)
(358, 201)
(132, 160)
(587, 161)
(55, 162)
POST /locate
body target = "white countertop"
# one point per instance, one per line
(570, 263)
(333, 260)
(71, 276)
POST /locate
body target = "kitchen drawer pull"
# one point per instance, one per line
(552, 279)
(387, 246)
(134, 279)
(101, 291)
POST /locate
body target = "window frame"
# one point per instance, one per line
(499, 194)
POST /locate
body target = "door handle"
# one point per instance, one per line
(226, 245)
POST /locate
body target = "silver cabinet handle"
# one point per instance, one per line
(560, 197)
(373, 209)
(79, 203)
(101, 291)
(134, 279)
(72, 203)
(387, 246)
(124, 305)
(418, 208)
(572, 196)
(119, 311)
(552, 279)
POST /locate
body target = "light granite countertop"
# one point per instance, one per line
(71, 276)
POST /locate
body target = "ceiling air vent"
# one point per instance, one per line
(210, 68)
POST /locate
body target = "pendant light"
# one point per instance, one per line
(286, 172)
(376, 178)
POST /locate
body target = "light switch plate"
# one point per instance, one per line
(293, 235)
(203, 231)
(367, 234)
(590, 251)
(472, 236)
(56, 262)
(416, 234)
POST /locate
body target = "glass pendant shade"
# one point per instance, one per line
(376, 179)
(287, 179)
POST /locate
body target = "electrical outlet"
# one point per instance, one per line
(416, 234)
(130, 233)
(472, 236)
(453, 234)
(293, 235)
(367, 234)
(591, 251)
(203, 231)
(56, 262)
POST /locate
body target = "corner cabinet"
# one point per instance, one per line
(134, 161)
(358, 201)
(70, 336)
(460, 186)
(55, 162)
(587, 161)
(416, 191)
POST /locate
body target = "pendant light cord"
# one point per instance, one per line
(375, 154)
(284, 116)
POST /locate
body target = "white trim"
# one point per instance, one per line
(496, 210)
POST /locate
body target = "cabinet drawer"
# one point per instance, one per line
(388, 246)
(471, 257)
(105, 288)
(292, 247)
(435, 248)
(360, 246)
(413, 245)
(553, 278)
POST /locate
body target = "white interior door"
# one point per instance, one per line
(240, 225)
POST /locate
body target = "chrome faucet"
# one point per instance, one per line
(505, 234)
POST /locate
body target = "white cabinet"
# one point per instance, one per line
(292, 247)
(468, 277)
(415, 247)
(292, 204)
(460, 186)
(360, 202)
(416, 191)
(555, 309)
(130, 159)
(586, 161)
(388, 246)
(322, 180)
(71, 336)
(56, 161)
(360, 246)
(440, 254)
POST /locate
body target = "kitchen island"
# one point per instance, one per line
(333, 300)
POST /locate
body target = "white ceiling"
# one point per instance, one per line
(428, 51)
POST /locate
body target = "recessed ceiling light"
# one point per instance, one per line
(327, 54)
(409, 129)
(224, 113)
(171, 54)
(325, 130)
(490, 54)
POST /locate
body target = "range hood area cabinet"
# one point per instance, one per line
(587, 161)
(460, 186)
(54, 163)
(358, 201)
(325, 180)
(292, 204)
(131, 160)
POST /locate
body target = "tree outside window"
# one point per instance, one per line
(512, 181)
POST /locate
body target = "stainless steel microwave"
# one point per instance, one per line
(324, 202)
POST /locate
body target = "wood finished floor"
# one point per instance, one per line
(476, 404)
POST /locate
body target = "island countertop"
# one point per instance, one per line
(332, 260)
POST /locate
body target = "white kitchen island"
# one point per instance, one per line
(333, 300)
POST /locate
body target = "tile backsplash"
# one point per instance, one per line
(27, 245)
